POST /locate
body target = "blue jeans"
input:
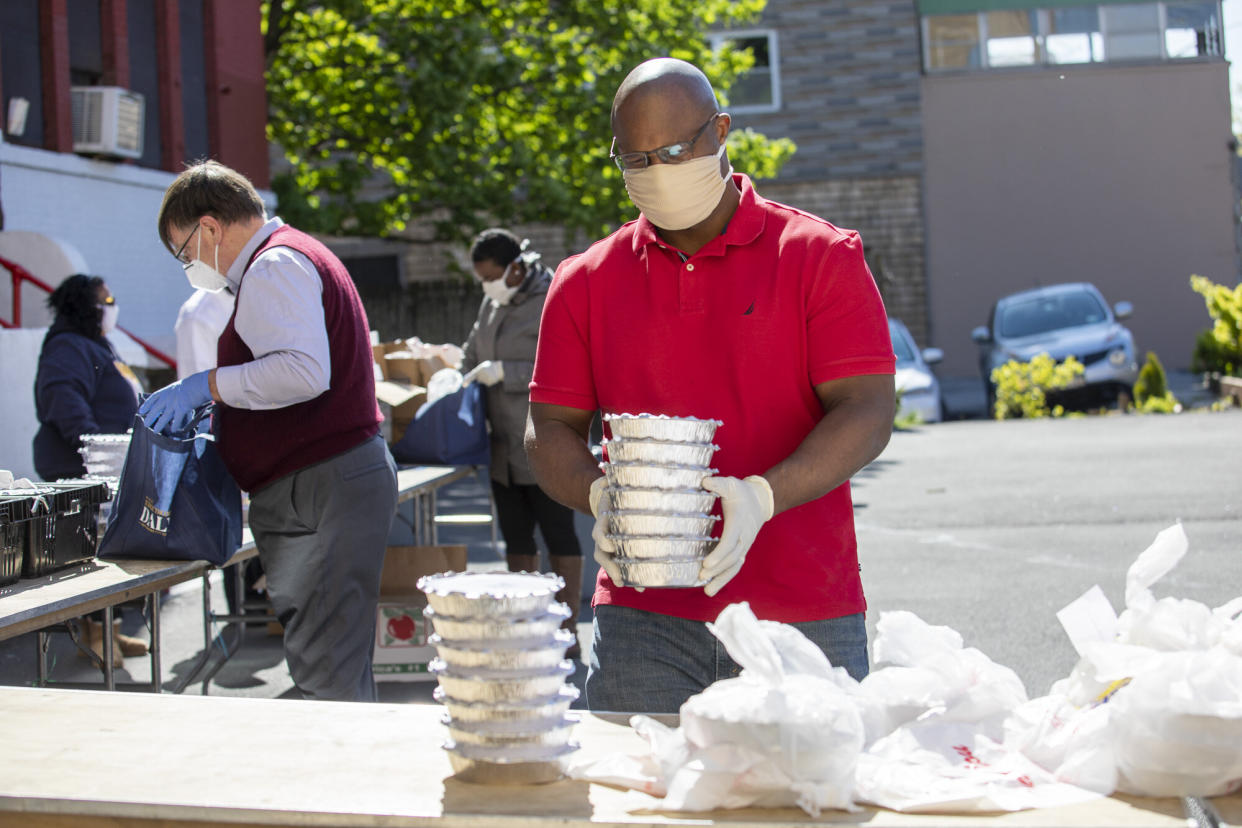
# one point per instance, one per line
(644, 662)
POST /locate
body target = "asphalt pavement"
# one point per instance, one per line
(985, 527)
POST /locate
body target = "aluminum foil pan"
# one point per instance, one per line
(500, 685)
(654, 572)
(490, 593)
(507, 766)
(659, 451)
(661, 523)
(650, 547)
(661, 427)
(656, 475)
(678, 501)
(509, 654)
(498, 628)
(545, 732)
(552, 706)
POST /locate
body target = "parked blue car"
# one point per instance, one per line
(1062, 321)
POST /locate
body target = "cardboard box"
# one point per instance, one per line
(378, 352)
(401, 649)
(404, 366)
(399, 402)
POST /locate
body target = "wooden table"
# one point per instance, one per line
(188, 760)
(35, 604)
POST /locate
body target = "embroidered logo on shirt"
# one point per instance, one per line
(748, 310)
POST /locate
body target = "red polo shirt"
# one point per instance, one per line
(741, 332)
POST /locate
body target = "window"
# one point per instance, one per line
(1012, 38)
(1131, 31)
(1074, 36)
(1059, 34)
(1192, 30)
(759, 89)
(952, 41)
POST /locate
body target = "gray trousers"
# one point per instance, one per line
(321, 533)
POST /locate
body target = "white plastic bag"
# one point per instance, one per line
(442, 383)
(785, 732)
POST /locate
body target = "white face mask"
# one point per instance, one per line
(499, 292)
(107, 322)
(202, 275)
(677, 196)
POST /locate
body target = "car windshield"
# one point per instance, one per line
(1041, 314)
(901, 347)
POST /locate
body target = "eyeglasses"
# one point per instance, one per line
(181, 250)
(672, 154)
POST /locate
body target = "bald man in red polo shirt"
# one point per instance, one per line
(716, 303)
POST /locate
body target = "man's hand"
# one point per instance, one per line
(604, 548)
(170, 409)
(487, 373)
(746, 504)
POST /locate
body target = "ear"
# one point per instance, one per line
(212, 228)
(723, 123)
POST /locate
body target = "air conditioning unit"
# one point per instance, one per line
(107, 120)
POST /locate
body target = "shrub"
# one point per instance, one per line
(1021, 387)
(1151, 389)
(1219, 349)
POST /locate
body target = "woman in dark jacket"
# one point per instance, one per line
(79, 388)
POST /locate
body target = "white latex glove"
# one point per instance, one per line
(604, 548)
(746, 505)
(488, 372)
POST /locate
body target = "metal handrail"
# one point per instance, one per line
(21, 274)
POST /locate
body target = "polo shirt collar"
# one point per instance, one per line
(744, 227)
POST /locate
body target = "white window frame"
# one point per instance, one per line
(716, 39)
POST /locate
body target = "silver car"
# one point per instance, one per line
(1062, 320)
(917, 385)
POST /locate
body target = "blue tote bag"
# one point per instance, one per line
(175, 500)
(452, 431)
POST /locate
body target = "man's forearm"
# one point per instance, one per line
(563, 464)
(849, 437)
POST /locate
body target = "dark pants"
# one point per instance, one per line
(322, 532)
(521, 508)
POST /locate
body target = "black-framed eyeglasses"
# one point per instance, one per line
(181, 250)
(672, 154)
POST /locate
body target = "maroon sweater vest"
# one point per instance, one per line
(258, 447)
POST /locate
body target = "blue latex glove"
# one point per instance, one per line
(172, 407)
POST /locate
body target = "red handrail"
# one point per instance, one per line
(21, 274)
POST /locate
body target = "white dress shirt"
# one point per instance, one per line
(199, 323)
(280, 318)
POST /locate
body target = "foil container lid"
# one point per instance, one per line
(659, 572)
(506, 755)
(627, 450)
(513, 727)
(660, 500)
(558, 638)
(440, 667)
(663, 524)
(552, 705)
(533, 654)
(499, 689)
(663, 547)
(656, 475)
(490, 593)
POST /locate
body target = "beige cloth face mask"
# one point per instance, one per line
(678, 196)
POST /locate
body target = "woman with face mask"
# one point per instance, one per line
(81, 387)
(500, 353)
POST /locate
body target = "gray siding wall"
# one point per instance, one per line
(1117, 175)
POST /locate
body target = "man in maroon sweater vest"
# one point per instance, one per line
(296, 420)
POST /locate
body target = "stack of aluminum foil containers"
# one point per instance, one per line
(104, 457)
(658, 511)
(501, 666)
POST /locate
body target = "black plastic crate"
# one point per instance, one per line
(14, 521)
(64, 526)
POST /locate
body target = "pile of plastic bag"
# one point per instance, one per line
(1154, 707)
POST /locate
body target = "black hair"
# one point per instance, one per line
(495, 244)
(76, 303)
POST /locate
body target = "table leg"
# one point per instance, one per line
(109, 681)
(154, 598)
(41, 645)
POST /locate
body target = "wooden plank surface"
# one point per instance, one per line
(95, 758)
(422, 479)
(34, 603)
